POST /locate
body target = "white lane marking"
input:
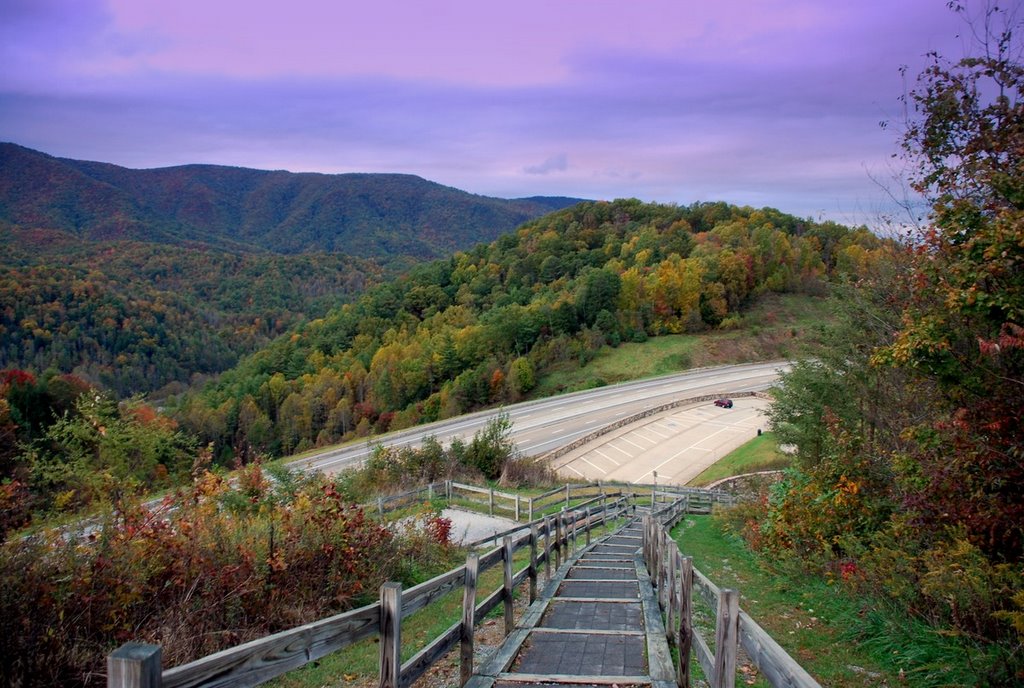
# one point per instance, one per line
(598, 451)
(574, 471)
(677, 454)
(639, 434)
(584, 460)
(627, 440)
(650, 428)
(619, 450)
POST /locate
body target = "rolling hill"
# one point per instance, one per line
(239, 209)
(147, 280)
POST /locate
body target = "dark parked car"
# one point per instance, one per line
(724, 403)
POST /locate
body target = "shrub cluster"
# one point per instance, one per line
(213, 566)
(490, 455)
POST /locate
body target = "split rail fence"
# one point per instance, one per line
(549, 539)
(675, 580)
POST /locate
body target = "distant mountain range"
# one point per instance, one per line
(143, 280)
(239, 209)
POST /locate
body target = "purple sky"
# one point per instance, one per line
(773, 102)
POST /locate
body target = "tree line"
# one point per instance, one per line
(481, 327)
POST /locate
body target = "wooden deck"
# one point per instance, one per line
(596, 623)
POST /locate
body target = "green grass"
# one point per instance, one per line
(842, 640)
(778, 326)
(800, 614)
(759, 454)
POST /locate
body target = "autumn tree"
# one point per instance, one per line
(965, 326)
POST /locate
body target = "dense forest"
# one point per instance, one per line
(134, 317)
(143, 281)
(478, 328)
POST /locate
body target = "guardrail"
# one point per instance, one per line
(675, 579)
(136, 665)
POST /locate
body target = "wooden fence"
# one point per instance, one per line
(675, 579)
(136, 665)
(518, 508)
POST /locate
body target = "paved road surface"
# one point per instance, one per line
(540, 426)
(678, 444)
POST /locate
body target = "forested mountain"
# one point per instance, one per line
(136, 317)
(142, 280)
(366, 215)
(477, 328)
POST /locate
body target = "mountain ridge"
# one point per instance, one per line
(368, 215)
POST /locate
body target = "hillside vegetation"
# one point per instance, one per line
(135, 317)
(479, 328)
(150, 280)
(909, 483)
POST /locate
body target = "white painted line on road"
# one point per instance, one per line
(584, 460)
(650, 428)
(569, 466)
(674, 456)
(598, 451)
(639, 434)
(628, 441)
(619, 449)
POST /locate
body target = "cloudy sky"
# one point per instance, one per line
(755, 102)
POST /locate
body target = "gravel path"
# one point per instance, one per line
(468, 525)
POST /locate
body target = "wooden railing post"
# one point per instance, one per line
(134, 665)
(448, 490)
(685, 640)
(646, 542)
(390, 635)
(567, 494)
(547, 548)
(506, 557)
(530, 507)
(558, 540)
(587, 526)
(726, 639)
(468, 618)
(666, 568)
(490, 502)
(517, 508)
(670, 588)
(533, 562)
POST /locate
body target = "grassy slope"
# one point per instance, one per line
(804, 615)
(759, 454)
(776, 327)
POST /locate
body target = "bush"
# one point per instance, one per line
(218, 566)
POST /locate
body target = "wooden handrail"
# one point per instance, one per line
(260, 660)
(733, 627)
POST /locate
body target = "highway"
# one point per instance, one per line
(543, 425)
